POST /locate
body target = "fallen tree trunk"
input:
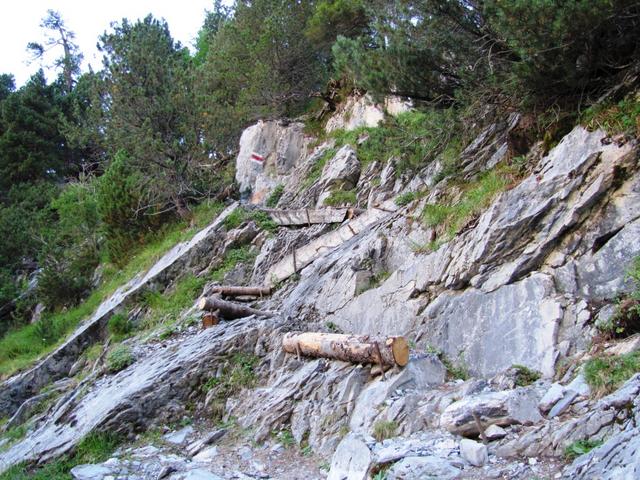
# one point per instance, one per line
(229, 310)
(389, 351)
(242, 291)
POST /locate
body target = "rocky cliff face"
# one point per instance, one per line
(522, 283)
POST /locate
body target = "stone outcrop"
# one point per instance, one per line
(269, 150)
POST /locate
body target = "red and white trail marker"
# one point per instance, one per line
(256, 157)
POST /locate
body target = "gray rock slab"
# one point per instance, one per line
(563, 404)
(423, 468)
(179, 436)
(135, 395)
(474, 452)
(552, 396)
(519, 406)
(90, 472)
(351, 460)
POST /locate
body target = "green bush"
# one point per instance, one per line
(525, 376)
(120, 196)
(119, 325)
(405, 198)
(341, 198)
(580, 447)
(94, 448)
(384, 429)
(606, 373)
(626, 319)
(275, 196)
(119, 358)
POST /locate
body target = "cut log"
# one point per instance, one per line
(230, 310)
(210, 319)
(389, 351)
(242, 291)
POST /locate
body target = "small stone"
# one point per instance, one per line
(580, 386)
(422, 467)
(178, 437)
(494, 432)
(245, 453)
(90, 472)
(201, 474)
(206, 455)
(277, 448)
(563, 404)
(473, 452)
(533, 461)
(551, 397)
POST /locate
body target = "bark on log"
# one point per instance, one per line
(389, 351)
(242, 291)
(210, 319)
(230, 310)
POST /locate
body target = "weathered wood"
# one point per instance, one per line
(210, 319)
(242, 291)
(230, 310)
(305, 216)
(384, 352)
(303, 256)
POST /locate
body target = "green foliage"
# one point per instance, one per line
(119, 358)
(275, 195)
(622, 117)
(384, 429)
(238, 373)
(316, 170)
(525, 376)
(413, 138)
(477, 195)
(164, 308)
(405, 198)
(32, 147)
(580, 447)
(286, 438)
(119, 197)
(94, 448)
(241, 215)
(119, 325)
(341, 198)
(626, 319)
(569, 46)
(259, 64)
(606, 373)
(233, 258)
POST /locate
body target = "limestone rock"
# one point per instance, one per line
(501, 408)
(351, 460)
(474, 452)
(551, 397)
(494, 432)
(280, 146)
(179, 436)
(356, 112)
(417, 468)
(90, 472)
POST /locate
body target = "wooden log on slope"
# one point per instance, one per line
(229, 310)
(389, 351)
(242, 291)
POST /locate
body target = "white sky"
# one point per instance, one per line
(20, 24)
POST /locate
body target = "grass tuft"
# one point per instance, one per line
(384, 429)
(604, 374)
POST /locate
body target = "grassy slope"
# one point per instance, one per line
(22, 347)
